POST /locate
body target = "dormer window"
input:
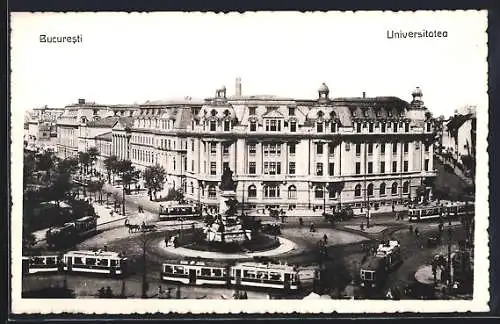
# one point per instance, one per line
(333, 127)
(378, 113)
(253, 126)
(319, 127)
(227, 125)
(213, 112)
(389, 113)
(273, 125)
(252, 111)
(213, 125)
(365, 113)
(293, 126)
(320, 114)
(291, 111)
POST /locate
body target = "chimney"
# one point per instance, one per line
(81, 101)
(238, 87)
(364, 94)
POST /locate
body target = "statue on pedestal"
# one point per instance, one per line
(227, 183)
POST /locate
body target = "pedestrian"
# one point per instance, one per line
(362, 226)
(109, 292)
(166, 241)
(416, 231)
(325, 239)
(301, 221)
(160, 291)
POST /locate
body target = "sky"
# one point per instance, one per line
(131, 58)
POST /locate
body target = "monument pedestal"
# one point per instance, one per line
(227, 228)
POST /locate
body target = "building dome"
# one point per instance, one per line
(323, 88)
(417, 92)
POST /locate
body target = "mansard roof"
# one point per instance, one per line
(108, 137)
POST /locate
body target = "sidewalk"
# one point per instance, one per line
(135, 200)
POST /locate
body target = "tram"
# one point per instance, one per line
(41, 263)
(245, 274)
(425, 213)
(375, 268)
(195, 272)
(457, 210)
(255, 274)
(95, 262)
(177, 211)
(71, 232)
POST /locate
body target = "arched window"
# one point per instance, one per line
(318, 192)
(406, 187)
(213, 112)
(320, 114)
(292, 192)
(212, 193)
(333, 115)
(382, 189)
(394, 189)
(252, 191)
(370, 189)
(226, 113)
(357, 191)
(192, 187)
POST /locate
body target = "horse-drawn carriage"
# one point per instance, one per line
(134, 228)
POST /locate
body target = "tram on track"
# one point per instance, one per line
(178, 211)
(375, 269)
(71, 232)
(451, 211)
(244, 274)
(41, 263)
(102, 262)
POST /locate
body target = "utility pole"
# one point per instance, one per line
(144, 267)
(123, 199)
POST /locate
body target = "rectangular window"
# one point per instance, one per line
(293, 127)
(407, 127)
(358, 127)
(333, 127)
(213, 168)
(405, 166)
(358, 167)
(319, 127)
(428, 127)
(252, 166)
(394, 166)
(370, 127)
(395, 127)
(192, 146)
(331, 168)
(382, 127)
(213, 148)
(227, 125)
(253, 126)
(251, 149)
(382, 148)
(405, 147)
(192, 165)
(225, 149)
(252, 110)
(370, 167)
(319, 169)
(427, 147)
(291, 167)
(382, 167)
(331, 149)
(394, 148)
(370, 149)
(291, 148)
(426, 164)
(291, 111)
(225, 166)
(319, 148)
(213, 125)
(266, 167)
(358, 149)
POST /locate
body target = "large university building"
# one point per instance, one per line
(287, 153)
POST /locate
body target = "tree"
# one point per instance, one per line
(46, 161)
(93, 153)
(128, 174)
(69, 164)
(84, 159)
(29, 168)
(110, 164)
(154, 177)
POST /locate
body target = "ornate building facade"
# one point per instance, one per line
(287, 153)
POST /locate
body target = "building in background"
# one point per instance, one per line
(286, 153)
(41, 130)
